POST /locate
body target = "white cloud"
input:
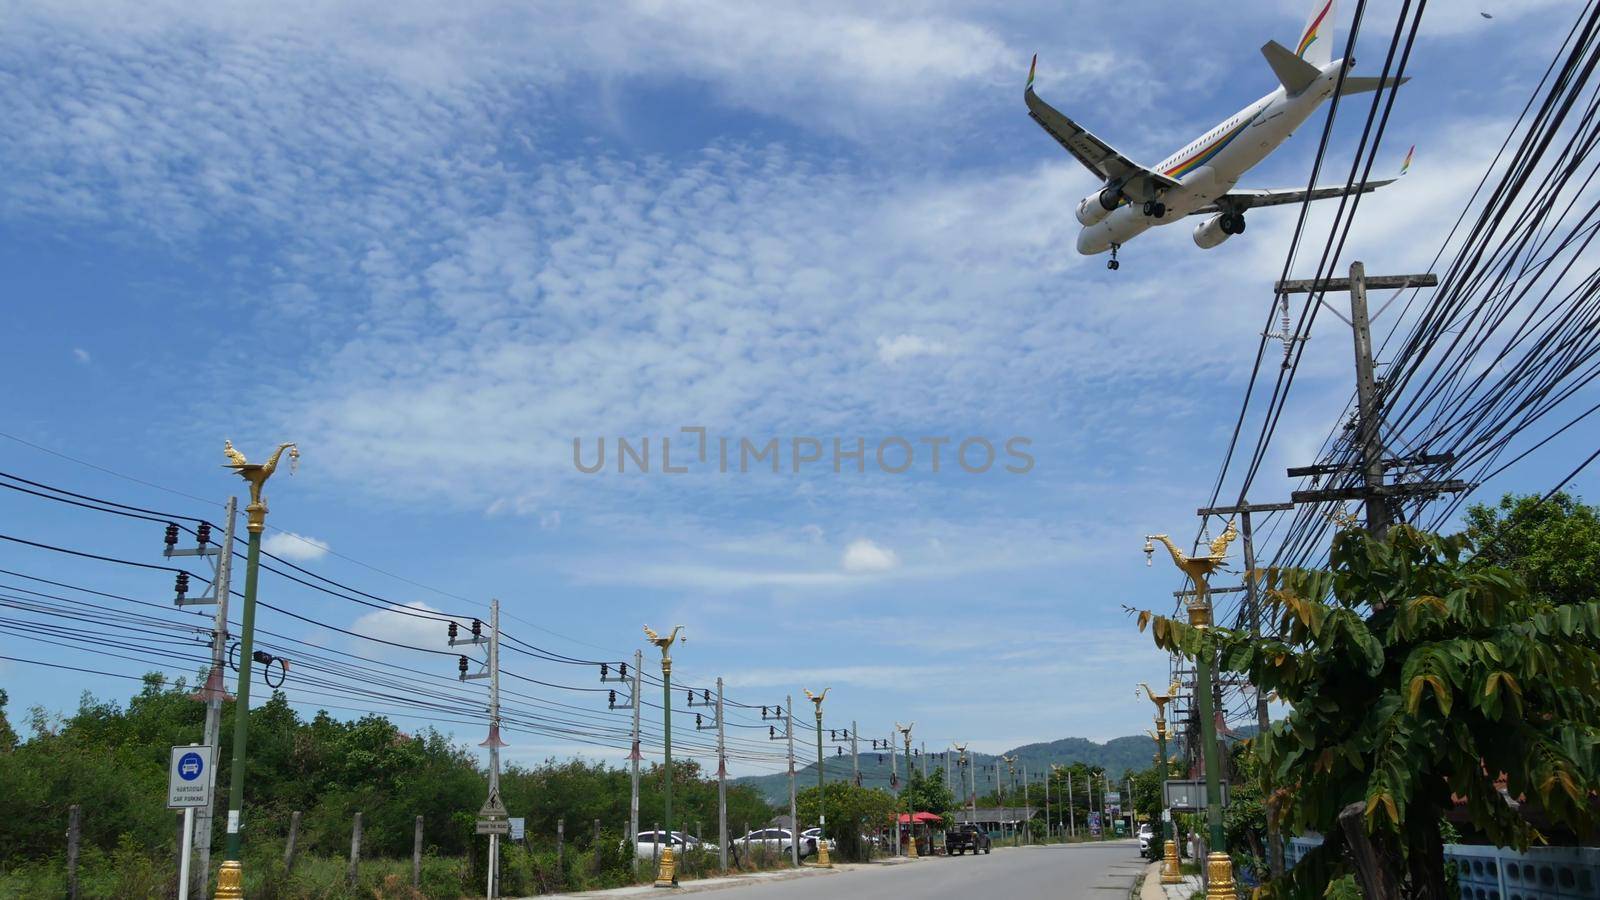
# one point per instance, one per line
(904, 346)
(81, 355)
(296, 547)
(865, 556)
(408, 630)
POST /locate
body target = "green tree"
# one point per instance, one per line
(851, 812)
(1414, 676)
(1553, 544)
(928, 794)
(8, 736)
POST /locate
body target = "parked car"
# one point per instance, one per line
(814, 834)
(960, 839)
(650, 843)
(1147, 836)
(778, 840)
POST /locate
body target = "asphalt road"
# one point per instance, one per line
(1058, 872)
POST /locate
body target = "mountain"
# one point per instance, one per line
(1115, 756)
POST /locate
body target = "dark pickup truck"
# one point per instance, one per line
(962, 838)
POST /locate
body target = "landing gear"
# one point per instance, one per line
(1232, 223)
(1113, 264)
(1155, 209)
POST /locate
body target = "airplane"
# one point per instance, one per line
(1200, 179)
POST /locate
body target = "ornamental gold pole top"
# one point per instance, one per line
(1159, 700)
(256, 474)
(817, 699)
(1198, 568)
(905, 729)
(664, 643)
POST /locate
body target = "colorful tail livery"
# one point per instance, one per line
(1406, 166)
(1316, 43)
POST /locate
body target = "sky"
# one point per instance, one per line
(438, 244)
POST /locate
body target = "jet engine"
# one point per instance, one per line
(1211, 232)
(1095, 207)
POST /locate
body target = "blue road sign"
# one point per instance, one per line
(190, 765)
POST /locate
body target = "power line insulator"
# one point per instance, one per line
(772, 732)
(454, 630)
(172, 535)
(705, 696)
(461, 664)
(622, 671)
(613, 700)
(477, 629)
(203, 534)
(605, 670)
(697, 722)
(182, 585)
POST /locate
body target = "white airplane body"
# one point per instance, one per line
(1201, 178)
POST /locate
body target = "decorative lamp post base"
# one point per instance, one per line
(230, 881)
(1219, 877)
(667, 875)
(1171, 871)
(911, 842)
(823, 862)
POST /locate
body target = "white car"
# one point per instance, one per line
(1146, 835)
(650, 843)
(815, 834)
(778, 840)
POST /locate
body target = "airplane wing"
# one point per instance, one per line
(1096, 155)
(1241, 200)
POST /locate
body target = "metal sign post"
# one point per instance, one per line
(188, 787)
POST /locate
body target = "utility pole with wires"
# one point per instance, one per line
(855, 753)
(493, 819)
(722, 765)
(214, 692)
(794, 817)
(634, 756)
(1381, 499)
(785, 714)
(1027, 808)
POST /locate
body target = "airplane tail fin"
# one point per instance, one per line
(1316, 42)
(1031, 67)
(1295, 73)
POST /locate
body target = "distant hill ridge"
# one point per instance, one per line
(1117, 755)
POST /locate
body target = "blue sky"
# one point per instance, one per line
(435, 243)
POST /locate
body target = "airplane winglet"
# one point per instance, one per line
(1405, 166)
(1031, 67)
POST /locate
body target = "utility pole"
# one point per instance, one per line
(1072, 813)
(1380, 499)
(214, 692)
(1027, 808)
(722, 783)
(794, 817)
(634, 759)
(230, 878)
(492, 817)
(855, 753)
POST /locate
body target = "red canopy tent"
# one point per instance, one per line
(920, 818)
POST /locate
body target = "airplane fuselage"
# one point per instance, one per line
(1212, 165)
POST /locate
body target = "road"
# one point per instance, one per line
(1058, 871)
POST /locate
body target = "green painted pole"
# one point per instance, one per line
(241, 706)
(666, 707)
(1208, 749)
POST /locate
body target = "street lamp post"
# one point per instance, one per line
(911, 822)
(1219, 867)
(667, 874)
(230, 879)
(822, 810)
(1167, 843)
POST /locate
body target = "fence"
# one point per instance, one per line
(1495, 873)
